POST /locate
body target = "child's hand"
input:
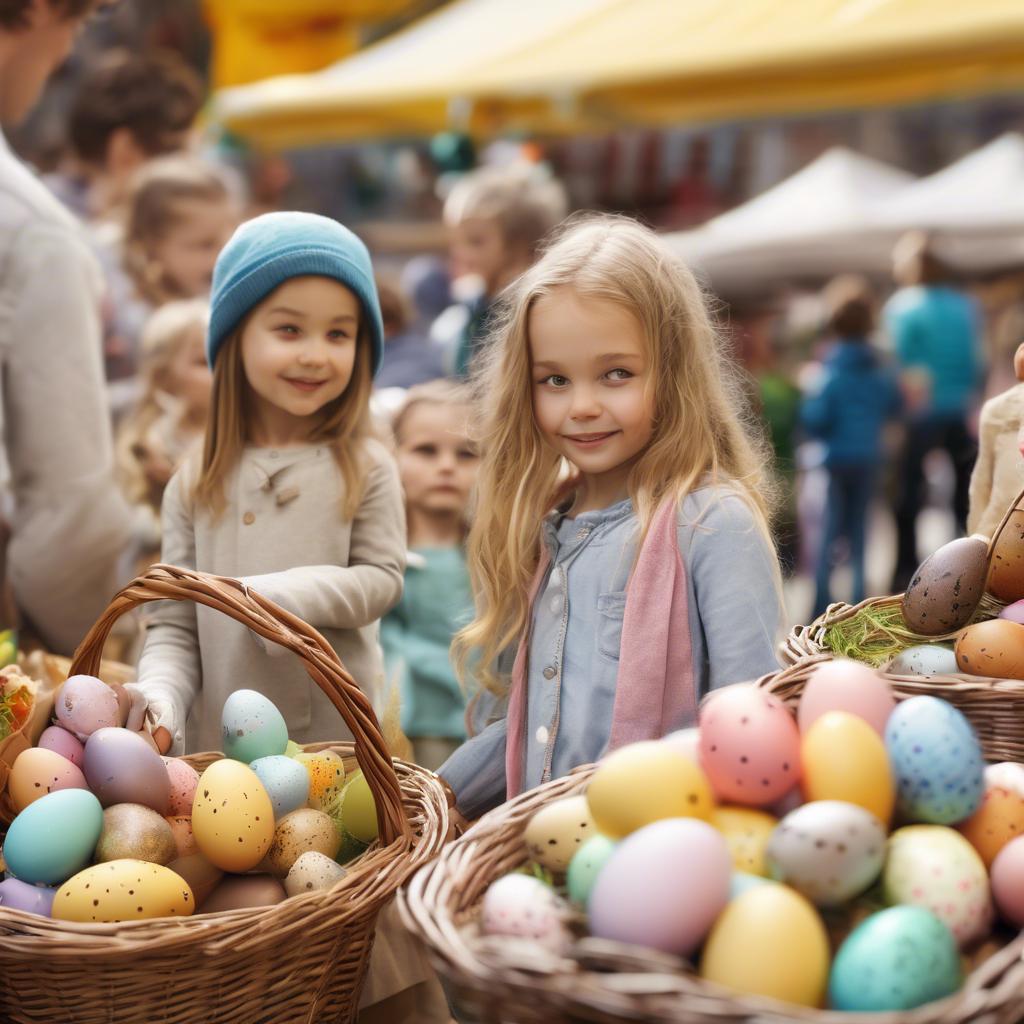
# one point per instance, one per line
(153, 719)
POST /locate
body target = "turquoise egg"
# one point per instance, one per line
(286, 782)
(936, 761)
(585, 866)
(54, 837)
(742, 881)
(252, 727)
(895, 960)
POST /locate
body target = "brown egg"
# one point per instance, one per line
(237, 891)
(947, 587)
(999, 819)
(302, 830)
(992, 648)
(202, 876)
(1006, 572)
(137, 833)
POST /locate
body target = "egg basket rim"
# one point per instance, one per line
(443, 895)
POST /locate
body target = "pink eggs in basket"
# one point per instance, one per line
(749, 746)
(846, 685)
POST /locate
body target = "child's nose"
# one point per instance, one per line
(585, 404)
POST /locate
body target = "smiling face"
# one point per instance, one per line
(591, 389)
(298, 353)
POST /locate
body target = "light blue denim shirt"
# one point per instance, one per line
(735, 614)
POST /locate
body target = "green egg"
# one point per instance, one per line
(358, 810)
(585, 866)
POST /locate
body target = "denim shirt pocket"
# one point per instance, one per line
(610, 611)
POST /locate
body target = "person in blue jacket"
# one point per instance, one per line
(855, 398)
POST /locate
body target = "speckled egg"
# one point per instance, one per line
(994, 648)
(999, 819)
(947, 587)
(558, 830)
(123, 890)
(84, 704)
(32, 899)
(326, 772)
(54, 837)
(60, 741)
(936, 761)
(37, 772)
(747, 833)
(184, 837)
(134, 832)
(1006, 570)
(122, 768)
(829, 850)
(926, 660)
(1006, 775)
(237, 892)
(934, 867)
(202, 876)
(232, 817)
(184, 779)
(311, 872)
(285, 780)
(749, 746)
(520, 906)
(252, 727)
(896, 959)
(585, 866)
(302, 830)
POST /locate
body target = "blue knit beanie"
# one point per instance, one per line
(269, 250)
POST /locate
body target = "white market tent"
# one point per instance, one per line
(821, 221)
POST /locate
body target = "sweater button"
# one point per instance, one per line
(249, 518)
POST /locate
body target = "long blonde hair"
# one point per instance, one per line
(343, 424)
(702, 431)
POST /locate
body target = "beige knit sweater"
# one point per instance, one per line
(999, 472)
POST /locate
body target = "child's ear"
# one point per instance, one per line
(1018, 362)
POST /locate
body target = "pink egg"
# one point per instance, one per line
(184, 779)
(62, 742)
(184, 838)
(686, 741)
(846, 685)
(1014, 612)
(1007, 879)
(85, 704)
(1005, 775)
(37, 772)
(749, 746)
(662, 886)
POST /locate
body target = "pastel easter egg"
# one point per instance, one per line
(993, 647)
(285, 780)
(302, 830)
(1006, 775)
(749, 746)
(998, 820)
(122, 768)
(184, 838)
(32, 899)
(252, 727)
(184, 779)
(134, 832)
(897, 959)
(925, 660)
(934, 867)
(326, 771)
(638, 896)
(747, 833)
(522, 907)
(54, 837)
(358, 809)
(202, 876)
(85, 704)
(237, 892)
(646, 782)
(313, 872)
(1014, 612)
(37, 772)
(845, 759)
(846, 685)
(741, 882)
(123, 890)
(1007, 879)
(686, 741)
(586, 865)
(769, 941)
(557, 831)
(936, 761)
(828, 850)
(60, 741)
(232, 817)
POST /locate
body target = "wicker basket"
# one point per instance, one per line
(609, 983)
(301, 960)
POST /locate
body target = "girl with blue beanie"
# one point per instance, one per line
(291, 493)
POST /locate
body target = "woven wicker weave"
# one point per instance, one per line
(302, 960)
(608, 983)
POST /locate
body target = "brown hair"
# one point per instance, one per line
(156, 96)
(915, 262)
(850, 305)
(394, 308)
(14, 13)
(433, 392)
(342, 424)
(154, 208)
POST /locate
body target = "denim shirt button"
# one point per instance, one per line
(549, 672)
(583, 532)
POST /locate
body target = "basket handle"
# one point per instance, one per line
(227, 595)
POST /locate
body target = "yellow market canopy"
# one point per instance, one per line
(571, 65)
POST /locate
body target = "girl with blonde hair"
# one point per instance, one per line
(629, 590)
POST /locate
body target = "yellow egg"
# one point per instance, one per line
(326, 775)
(38, 771)
(769, 941)
(845, 759)
(232, 816)
(123, 890)
(746, 832)
(358, 809)
(646, 782)
(558, 830)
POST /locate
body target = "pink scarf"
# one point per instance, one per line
(655, 690)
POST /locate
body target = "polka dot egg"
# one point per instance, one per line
(749, 746)
(520, 906)
(934, 867)
(123, 890)
(936, 761)
(558, 830)
(746, 832)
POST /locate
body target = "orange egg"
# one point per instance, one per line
(999, 819)
(38, 771)
(992, 648)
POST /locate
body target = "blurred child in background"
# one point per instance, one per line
(848, 410)
(437, 464)
(409, 357)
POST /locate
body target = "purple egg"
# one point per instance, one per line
(33, 899)
(1014, 612)
(122, 768)
(62, 742)
(85, 704)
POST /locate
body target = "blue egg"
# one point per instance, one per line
(252, 727)
(585, 866)
(895, 960)
(54, 837)
(936, 761)
(742, 881)
(285, 780)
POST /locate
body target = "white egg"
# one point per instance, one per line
(925, 660)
